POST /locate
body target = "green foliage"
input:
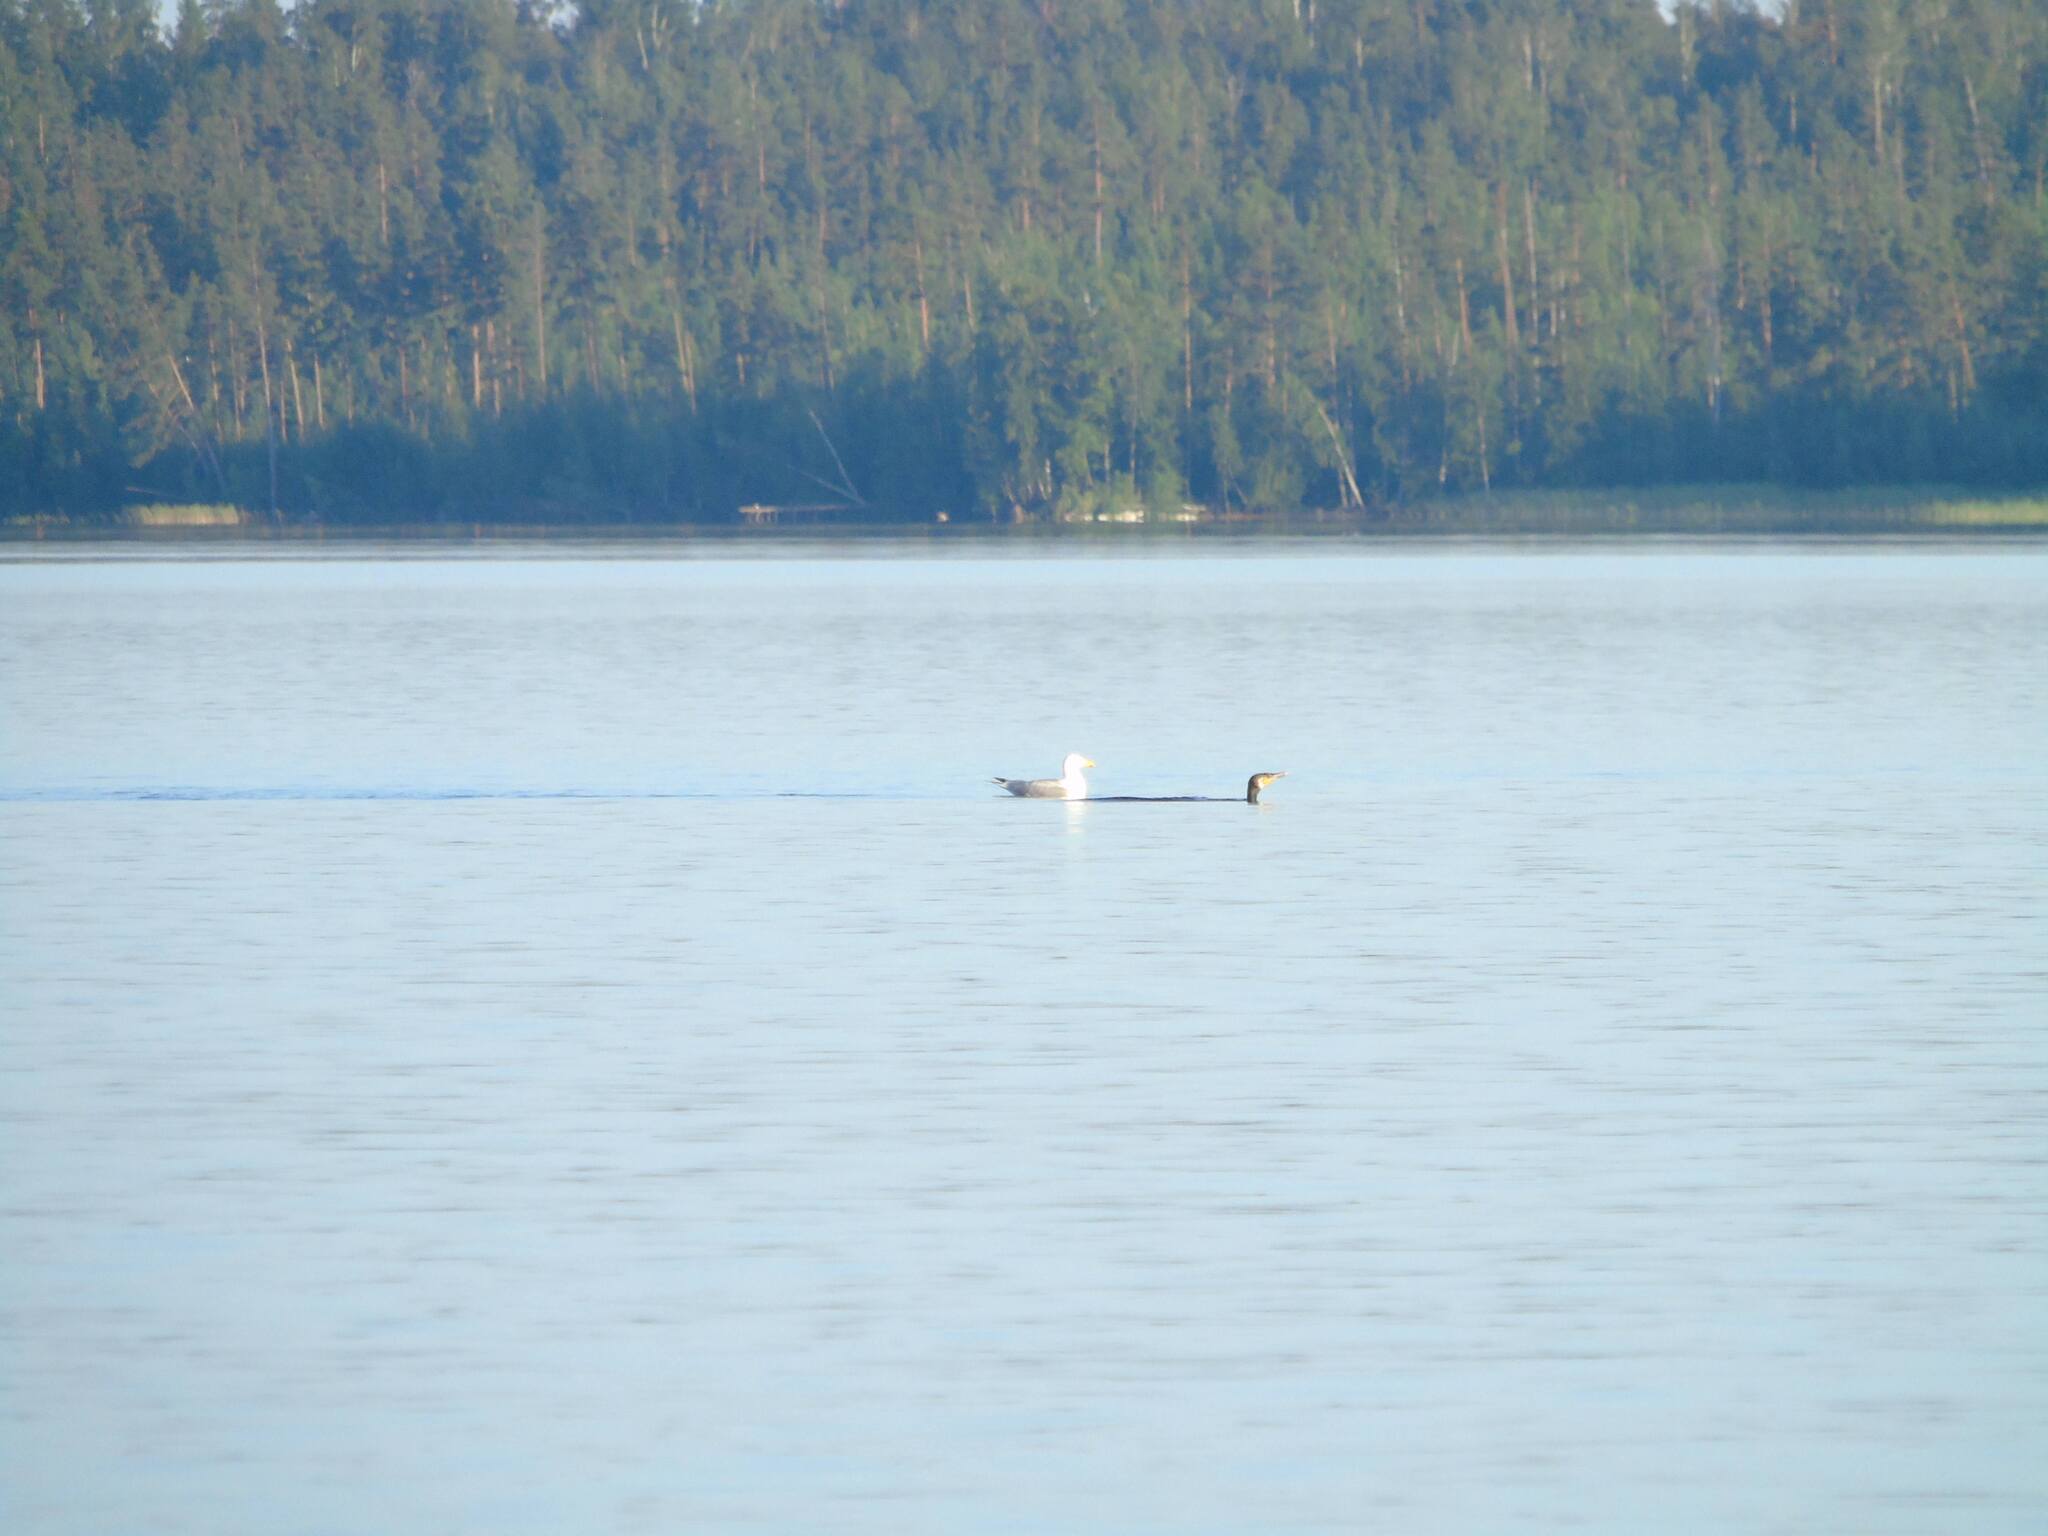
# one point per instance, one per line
(364, 260)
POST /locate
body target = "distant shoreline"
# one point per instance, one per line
(1746, 511)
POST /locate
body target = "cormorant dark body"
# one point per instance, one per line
(1253, 785)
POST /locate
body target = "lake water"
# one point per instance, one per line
(538, 1043)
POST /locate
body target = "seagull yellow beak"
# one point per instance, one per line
(1087, 762)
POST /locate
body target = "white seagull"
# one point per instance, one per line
(1070, 785)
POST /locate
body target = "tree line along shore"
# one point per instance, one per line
(1524, 265)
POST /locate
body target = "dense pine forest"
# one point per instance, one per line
(636, 260)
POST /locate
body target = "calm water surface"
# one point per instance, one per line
(525, 1045)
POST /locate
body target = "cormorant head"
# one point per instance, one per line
(1258, 782)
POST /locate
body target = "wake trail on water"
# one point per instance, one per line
(330, 794)
(335, 794)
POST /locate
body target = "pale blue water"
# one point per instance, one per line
(448, 1084)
